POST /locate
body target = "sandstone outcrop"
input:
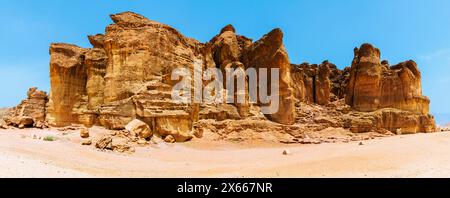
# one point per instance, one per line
(116, 143)
(125, 83)
(378, 96)
(3, 124)
(126, 76)
(68, 77)
(30, 112)
(312, 83)
(375, 86)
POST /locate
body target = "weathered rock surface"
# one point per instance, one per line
(124, 82)
(86, 143)
(379, 96)
(375, 86)
(3, 124)
(139, 129)
(30, 112)
(68, 77)
(269, 53)
(126, 75)
(116, 143)
(169, 139)
(84, 133)
(312, 83)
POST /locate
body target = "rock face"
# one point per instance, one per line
(125, 82)
(269, 53)
(390, 97)
(3, 124)
(139, 129)
(68, 77)
(374, 86)
(30, 112)
(127, 75)
(84, 133)
(312, 83)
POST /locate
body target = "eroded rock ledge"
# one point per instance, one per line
(126, 76)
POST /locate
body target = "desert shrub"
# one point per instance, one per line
(50, 138)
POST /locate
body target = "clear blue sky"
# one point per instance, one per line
(315, 30)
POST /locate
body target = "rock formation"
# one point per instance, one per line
(30, 112)
(374, 86)
(312, 83)
(380, 96)
(127, 75)
(124, 82)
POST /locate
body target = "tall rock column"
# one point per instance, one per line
(375, 86)
(395, 92)
(364, 88)
(268, 53)
(68, 79)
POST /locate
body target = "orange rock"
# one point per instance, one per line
(127, 75)
(30, 112)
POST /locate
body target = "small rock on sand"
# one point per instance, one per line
(169, 139)
(86, 142)
(84, 133)
(142, 142)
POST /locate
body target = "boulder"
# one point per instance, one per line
(86, 143)
(104, 143)
(121, 145)
(116, 143)
(169, 139)
(179, 129)
(84, 133)
(139, 129)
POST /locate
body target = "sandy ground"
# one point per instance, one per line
(421, 155)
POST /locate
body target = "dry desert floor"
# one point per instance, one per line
(421, 155)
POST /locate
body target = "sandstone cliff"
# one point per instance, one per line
(380, 96)
(127, 76)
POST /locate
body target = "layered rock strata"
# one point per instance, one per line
(30, 112)
(127, 76)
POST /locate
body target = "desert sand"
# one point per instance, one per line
(420, 155)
